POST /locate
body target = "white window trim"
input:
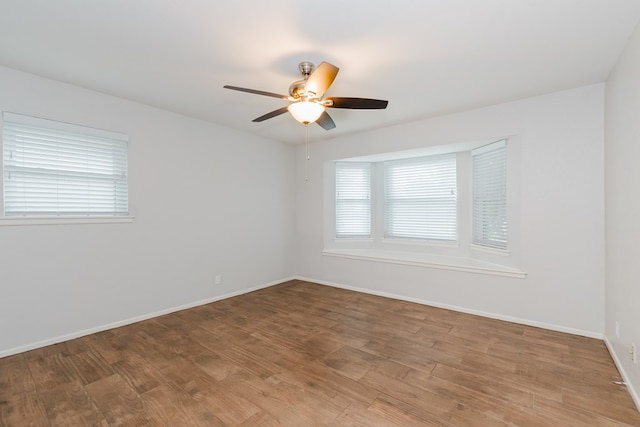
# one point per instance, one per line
(486, 249)
(443, 262)
(13, 221)
(28, 220)
(420, 242)
(426, 193)
(481, 179)
(360, 192)
(463, 255)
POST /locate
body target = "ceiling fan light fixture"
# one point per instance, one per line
(307, 97)
(306, 111)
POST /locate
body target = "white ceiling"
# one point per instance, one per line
(427, 57)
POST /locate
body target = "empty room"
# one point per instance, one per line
(297, 213)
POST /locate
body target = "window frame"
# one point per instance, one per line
(422, 198)
(490, 204)
(49, 171)
(356, 190)
(461, 255)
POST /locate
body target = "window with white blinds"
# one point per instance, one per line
(353, 199)
(490, 195)
(420, 198)
(55, 169)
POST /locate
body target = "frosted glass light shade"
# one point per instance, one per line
(305, 111)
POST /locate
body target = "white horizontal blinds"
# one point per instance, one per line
(490, 195)
(353, 199)
(420, 198)
(53, 168)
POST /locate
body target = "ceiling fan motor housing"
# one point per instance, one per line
(296, 90)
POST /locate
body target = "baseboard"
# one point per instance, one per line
(78, 334)
(490, 315)
(136, 319)
(625, 377)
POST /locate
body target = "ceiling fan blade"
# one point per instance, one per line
(325, 121)
(321, 78)
(257, 92)
(356, 103)
(270, 115)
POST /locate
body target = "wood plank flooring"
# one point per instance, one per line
(302, 354)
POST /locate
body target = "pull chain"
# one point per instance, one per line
(306, 125)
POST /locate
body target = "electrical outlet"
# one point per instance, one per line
(617, 329)
(218, 279)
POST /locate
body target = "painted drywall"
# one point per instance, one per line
(622, 178)
(561, 213)
(207, 201)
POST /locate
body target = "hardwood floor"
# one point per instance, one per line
(301, 354)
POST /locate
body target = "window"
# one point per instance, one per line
(57, 169)
(490, 196)
(436, 206)
(420, 198)
(353, 199)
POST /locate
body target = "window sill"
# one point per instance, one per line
(59, 220)
(468, 265)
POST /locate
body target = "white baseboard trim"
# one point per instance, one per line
(552, 327)
(625, 377)
(78, 334)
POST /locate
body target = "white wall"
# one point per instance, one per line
(207, 201)
(561, 139)
(623, 211)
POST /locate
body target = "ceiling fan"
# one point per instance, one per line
(307, 97)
